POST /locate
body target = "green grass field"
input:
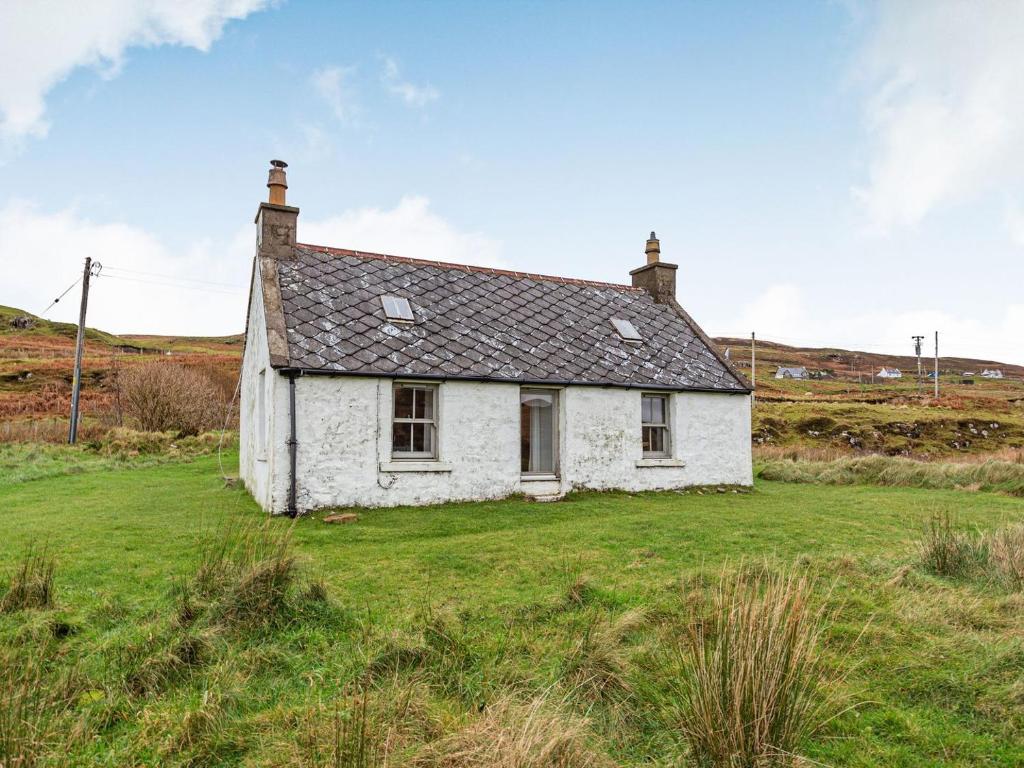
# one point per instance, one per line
(936, 665)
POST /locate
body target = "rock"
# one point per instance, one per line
(345, 517)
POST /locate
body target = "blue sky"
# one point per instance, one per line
(830, 173)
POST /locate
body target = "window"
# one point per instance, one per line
(538, 421)
(397, 308)
(654, 425)
(261, 414)
(626, 330)
(414, 425)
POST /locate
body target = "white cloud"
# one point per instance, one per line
(778, 308)
(413, 95)
(409, 229)
(944, 106)
(43, 41)
(148, 287)
(1014, 218)
(780, 314)
(334, 85)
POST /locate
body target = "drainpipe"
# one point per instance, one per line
(293, 509)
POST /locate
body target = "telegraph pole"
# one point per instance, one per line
(936, 365)
(753, 369)
(917, 351)
(76, 383)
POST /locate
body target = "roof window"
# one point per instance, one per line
(626, 330)
(397, 308)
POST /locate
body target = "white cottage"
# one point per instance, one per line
(374, 380)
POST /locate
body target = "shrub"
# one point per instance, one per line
(945, 549)
(166, 397)
(1006, 555)
(31, 584)
(749, 687)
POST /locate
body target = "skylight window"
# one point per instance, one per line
(626, 330)
(397, 308)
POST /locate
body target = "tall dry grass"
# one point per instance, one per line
(29, 706)
(509, 734)
(1005, 476)
(752, 684)
(1005, 549)
(31, 583)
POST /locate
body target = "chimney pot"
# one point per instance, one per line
(653, 249)
(277, 182)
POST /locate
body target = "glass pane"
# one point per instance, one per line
(401, 438)
(654, 439)
(645, 410)
(657, 410)
(403, 402)
(423, 406)
(537, 423)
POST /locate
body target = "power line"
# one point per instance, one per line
(165, 284)
(65, 293)
(174, 277)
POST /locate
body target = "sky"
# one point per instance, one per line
(824, 173)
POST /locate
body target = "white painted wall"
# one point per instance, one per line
(344, 438)
(263, 459)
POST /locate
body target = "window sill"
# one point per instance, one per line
(537, 478)
(414, 466)
(661, 463)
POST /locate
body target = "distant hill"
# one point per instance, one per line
(851, 364)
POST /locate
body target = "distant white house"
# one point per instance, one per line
(792, 373)
(890, 373)
(993, 373)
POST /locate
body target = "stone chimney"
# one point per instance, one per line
(276, 223)
(656, 277)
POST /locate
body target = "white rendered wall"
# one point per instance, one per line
(264, 472)
(344, 443)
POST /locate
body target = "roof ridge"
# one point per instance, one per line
(468, 267)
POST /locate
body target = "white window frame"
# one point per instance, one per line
(666, 425)
(433, 421)
(556, 433)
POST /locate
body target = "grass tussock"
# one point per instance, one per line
(597, 666)
(946, 549)
(245, 577)
(31, 583)
(1005, 548)
(351, 740)
(508, 734)
(751, 682)
(1003, 476)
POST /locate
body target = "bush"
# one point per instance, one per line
(31, 585)
(750, 676)
(165, 397)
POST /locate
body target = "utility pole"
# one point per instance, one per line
(753, 369)
(936, 365)
(917, 351)
(76, 383)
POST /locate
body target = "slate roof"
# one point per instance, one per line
(479, 323)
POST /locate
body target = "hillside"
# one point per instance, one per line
(37, 364)
(845, 412)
